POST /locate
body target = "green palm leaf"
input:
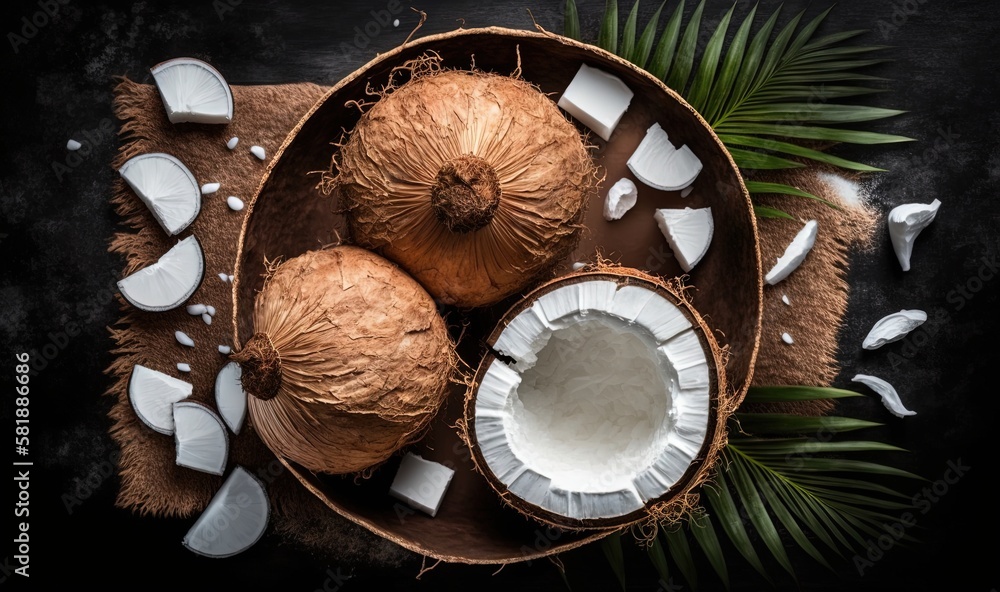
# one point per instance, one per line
(571, 21)
(612, 547)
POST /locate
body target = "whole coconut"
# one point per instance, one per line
(475, 183)
(349, 360)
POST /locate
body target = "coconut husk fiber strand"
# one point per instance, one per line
(152, 484)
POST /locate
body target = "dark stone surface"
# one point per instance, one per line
(58, 280)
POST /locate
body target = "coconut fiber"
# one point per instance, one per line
(151, 482)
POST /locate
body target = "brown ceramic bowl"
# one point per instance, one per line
(289, 216)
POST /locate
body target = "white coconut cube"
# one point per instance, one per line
(597, 99)
(421, 483)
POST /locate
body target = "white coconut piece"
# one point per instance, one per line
(230, 398)
(183, 339)
(421, 483)
(182, 367)
(795, 253)
(225, 350)
(194, 91)
(571, 433)
(620, 199)
(597, 99)
(234, 520)
(170, 281)
(687, 191)
(235, 204)
(224, 277)
(893, 327)
(210, 309)
(787, 338)
(73, 145)
(209, 188)
(905, 223)
(658, 164)
(688, 232)
(579, 265)
(153, 394)
(200, 436)
(196, 309)
(258, 152)
(784, 298)
(231, 144)
(890, 398)
(167, 188)
(207, 318)
(229, 278)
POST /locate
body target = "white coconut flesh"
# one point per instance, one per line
(202, 443)
(167, 187)
(688, 232)
(193, 91)
(153, 394)
(230, 398)
(234, 520)
(604, 404)
(657, 163)
(170, 281)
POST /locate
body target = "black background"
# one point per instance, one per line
(56, 270)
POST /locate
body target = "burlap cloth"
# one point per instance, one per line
(152, 483)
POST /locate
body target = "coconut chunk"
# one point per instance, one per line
(170, 281)
(231, 144)
(597, 99)
(905, 224)
(620, 199)
(235, 204)
(258, 152)
(784, 298)
(658, 164)
(234, 520)
(153, 394)
(167, 188)
(688, 232)
(890, 398)
(421, 483)
(202, 443)
(183, 339)
(893, 327)
(192, 90)
(183, 367)
(73, 145)
(795, 253)
(210, 188)
(230, 398)
(787, 338)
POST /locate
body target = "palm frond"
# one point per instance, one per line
(612, 547)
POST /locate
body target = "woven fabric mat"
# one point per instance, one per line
(152, 483)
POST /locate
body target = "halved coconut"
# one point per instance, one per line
(688, 231)
(230, 397)
(598, 401)
(170, 281)
(192, 90)
(153, 394)
(202, 443)
(167, 188)
(658, 164)
(234, 520)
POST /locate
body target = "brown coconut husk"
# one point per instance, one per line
(473, 182)
(681, 499)
(350, 361)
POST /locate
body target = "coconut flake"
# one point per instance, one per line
(890, 398)
(229, 278)
(231, 144)
(905, 223)
(73, 145)
(620, 199)
(225, 350)
(230, 399)
(209, 188)
(787, 338)
(183, 339)
(234, 520)
(182, 367)
(210, 309)
(688, 231)
(224, 277)
(235, 204)
(579, 265)
(207, 318)
(200, 437)
(192, 90)
(687, 191)
(658, 164)
(794, 254)
(784, 298)
(597, 99)
(170, 281)
(893, 327)
(421, 483)
(258, 152)
(167, 188)
(152, 395)
(196, 309)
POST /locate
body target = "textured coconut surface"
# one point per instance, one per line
(151, 483)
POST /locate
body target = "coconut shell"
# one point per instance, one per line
(683, 496)
(474, 183)
(350, 360)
